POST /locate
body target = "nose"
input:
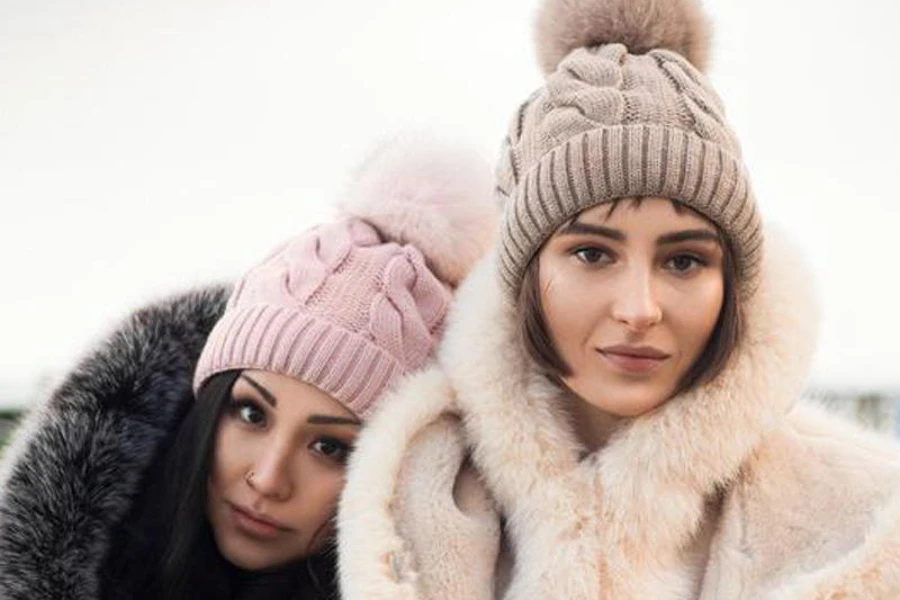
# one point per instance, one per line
(635, 304)
(270, 475)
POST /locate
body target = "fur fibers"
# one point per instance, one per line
(789, 498)
(435, 195)
(870, 571)
(641, 25)
(70, 474)
(366, 504)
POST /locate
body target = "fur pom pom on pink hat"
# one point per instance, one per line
(434, 196)
(353, 305)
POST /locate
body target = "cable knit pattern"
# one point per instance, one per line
(611, 124)
(337, 307)
(353, 305)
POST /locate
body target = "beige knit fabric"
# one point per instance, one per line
(607, 125)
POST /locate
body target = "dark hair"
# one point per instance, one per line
(171, 552)
(187, 546)
(726, 334)
(190, 553)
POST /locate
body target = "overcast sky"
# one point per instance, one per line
(150, 146)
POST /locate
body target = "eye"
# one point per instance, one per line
(248, 412)
(684, 263)
(592, 255)
(332, 449)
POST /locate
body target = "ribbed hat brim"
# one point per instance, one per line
(285, 340)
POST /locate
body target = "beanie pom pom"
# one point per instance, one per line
(434, 195)
(641, 25)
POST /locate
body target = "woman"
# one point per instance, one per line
(123, 486)
(626, 367)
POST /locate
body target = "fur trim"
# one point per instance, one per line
(365, 514)
(434, 195)
(860, 555)
(529, 455)
(732, 461)
(870, 571)
(783, 532)
(641, 25)
(563, 512)
(71, 472)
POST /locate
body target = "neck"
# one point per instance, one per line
(593, 427)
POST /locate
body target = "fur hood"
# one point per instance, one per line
(646, 494)
(70, 474)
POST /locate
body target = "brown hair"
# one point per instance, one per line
(726, 334)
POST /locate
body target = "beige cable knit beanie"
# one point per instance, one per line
(625, 112)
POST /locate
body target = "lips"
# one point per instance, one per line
(255, 524)
(634, 359)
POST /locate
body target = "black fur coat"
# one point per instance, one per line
(75, 465)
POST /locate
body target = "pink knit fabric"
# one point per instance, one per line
(336, 307)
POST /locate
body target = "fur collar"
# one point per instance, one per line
(523, 442)
(647, 489)
(71, 471)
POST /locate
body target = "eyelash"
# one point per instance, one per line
(236, 406)
(697, 261)
(341, 449)
(578, 252)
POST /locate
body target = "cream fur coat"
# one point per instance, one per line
(731, 490)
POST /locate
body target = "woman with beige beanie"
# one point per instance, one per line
(624, 370)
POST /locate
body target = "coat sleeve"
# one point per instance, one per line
(73, 466)
(870, 572)
(447, 517)
(410, 525)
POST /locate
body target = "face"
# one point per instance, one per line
(277, 470)
(631, 297)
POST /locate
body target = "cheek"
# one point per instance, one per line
(568, 308)
(323, 490)
(699, 314)
(315, 508)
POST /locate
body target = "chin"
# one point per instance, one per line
(249, 560)
(242, 559)
(631, 402)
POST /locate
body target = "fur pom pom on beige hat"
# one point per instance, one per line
(641, 25)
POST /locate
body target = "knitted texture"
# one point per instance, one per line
(609, 124)
(353, 305)
(336, 307)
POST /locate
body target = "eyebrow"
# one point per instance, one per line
(688, 235)
(266, 394)
(578, 228)
(313, 419)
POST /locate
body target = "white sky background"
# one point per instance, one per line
(149, 146)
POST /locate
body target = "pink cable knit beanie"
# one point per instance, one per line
(353, 305)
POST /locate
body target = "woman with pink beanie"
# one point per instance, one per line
(199, 452)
